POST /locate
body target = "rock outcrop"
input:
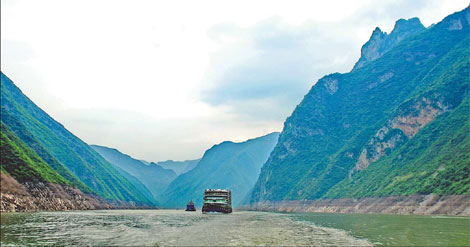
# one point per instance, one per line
(28, 197)
(406, 205)
(398, 125)
(381, 42)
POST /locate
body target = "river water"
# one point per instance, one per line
(179, 228)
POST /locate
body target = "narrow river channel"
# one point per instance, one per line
(179, 228)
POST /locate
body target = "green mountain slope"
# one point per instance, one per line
(388, 127)
(155, 178)
(92, 169)
(435, 161)
(28, 139)
(138, 185)
(22, 163)
(228, 165)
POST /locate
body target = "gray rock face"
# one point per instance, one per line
(364, 133)
(406, 205)
(381, 42)
(30, 197)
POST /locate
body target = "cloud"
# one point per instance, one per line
(271, 64)
(161, 82)
(261, 72)
(16, 52)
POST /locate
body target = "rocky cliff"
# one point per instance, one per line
(397, 125)
(406, 205)
(30, 196)
(381, 42)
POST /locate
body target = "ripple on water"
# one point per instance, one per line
(166, 227)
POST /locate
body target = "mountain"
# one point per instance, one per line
(22, 163)
(59, 148)
(137, 183)
(395, 125)
(155, 178)
(179, 167)
(25, 137)
(381, 42)
(145, 162)
(28, 183)
(228, 165)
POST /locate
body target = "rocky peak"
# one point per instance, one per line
(403, 25)
(381, 42)
(404, 28)
(377, 33)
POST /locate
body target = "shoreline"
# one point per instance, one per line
(73, 200)
(447, 205)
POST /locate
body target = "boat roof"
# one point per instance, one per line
(217, 190)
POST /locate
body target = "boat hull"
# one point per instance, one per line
(207, 208)
(190, 208)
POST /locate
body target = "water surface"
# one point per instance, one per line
(397, 230)
(245, 228)
(166, 228)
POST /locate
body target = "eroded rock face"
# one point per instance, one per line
(382, 141)
(421, 113)
(373, 49)
(331, 85)
(381, 42)
(16, 197)
(455, 25)
(402, 127)
(381, 79)
(459, 22)
(407, 205)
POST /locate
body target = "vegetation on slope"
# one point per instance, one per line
(73, 153)
(435, 161)
(155, 178)
(23, 134)
(138, 185)
(228, 165)
(22, 163)
(350, 124)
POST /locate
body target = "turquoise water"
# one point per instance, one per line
(397, 230)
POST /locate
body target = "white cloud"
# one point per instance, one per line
(167, 79)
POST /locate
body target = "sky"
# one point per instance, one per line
(162, 80)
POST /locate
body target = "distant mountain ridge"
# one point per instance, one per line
(397, 124)
(154, 177)
(228, 165)
(59, 148)
(179, 167)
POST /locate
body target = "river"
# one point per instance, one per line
(245, 228)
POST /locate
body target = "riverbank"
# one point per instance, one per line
(32, 197)
(458, 205)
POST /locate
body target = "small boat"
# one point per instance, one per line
(190, 206)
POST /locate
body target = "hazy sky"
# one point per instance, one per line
(168, 79)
